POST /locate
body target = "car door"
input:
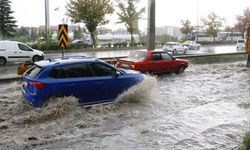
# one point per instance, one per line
(155, 63)
(168, 61)
(109, 84)
(21, 52)
(76, 80)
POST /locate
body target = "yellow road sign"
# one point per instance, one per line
(63, 35)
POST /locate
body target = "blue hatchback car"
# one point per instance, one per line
(89, 79)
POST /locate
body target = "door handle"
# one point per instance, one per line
(15, 52)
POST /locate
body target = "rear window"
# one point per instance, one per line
(241, 41)
(137, 55)
(34, 71)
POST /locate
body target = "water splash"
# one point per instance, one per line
(141, 92)
(55, 108)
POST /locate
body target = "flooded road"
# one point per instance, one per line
(207, 107)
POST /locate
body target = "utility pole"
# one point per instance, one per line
(151, 26)
(197, 28)
(46, 20)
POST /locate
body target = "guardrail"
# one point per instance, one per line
(113, 60)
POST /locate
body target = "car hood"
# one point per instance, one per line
(38, 51)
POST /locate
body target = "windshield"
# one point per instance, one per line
(137, 54)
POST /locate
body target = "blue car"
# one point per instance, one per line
(89, 79)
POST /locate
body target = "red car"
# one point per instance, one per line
(155, 62)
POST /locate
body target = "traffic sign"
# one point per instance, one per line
(63, 35)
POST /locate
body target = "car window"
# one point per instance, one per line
(58, 72)
(241, 41)
(155, 56)
(34, 71)
(166, 56)
(78, 70)
(101, 69)
(24, 47)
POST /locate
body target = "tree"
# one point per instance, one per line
(90, 12)
(7, 22)
(212, 24)
(130, 16)
(243, 22)
(186, 27)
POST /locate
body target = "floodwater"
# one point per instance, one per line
(207, 107)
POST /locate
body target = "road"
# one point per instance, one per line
(206, 107)
(10, 70)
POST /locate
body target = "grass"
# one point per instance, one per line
(246, 142)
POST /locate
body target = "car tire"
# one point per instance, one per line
(180, 70)
(35, 58)
(2, 61)
(174, 51)
(185, 51)
(148, 72)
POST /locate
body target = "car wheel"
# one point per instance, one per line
(35, 58)
(148, 72)
(185, 51)
(175, 51)
(180, 70)
(2, 61)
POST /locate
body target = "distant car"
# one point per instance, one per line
(88, 79)
(192, 45)
(240, 44)
(174, 47)
(12, 51)
(155, 62)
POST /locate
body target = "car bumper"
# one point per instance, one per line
(32, 99)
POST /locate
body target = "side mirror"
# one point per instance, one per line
(174, 58)
(117, 74)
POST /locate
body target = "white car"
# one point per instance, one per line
(192, 45)
(174, 47)
(240, 44)
(12, 51)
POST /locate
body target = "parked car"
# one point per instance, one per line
(192, 45)
(174, 47)
(88, 79)
(12, 51)
(155, 62)
(240, 44)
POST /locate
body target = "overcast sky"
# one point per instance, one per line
(168, 12)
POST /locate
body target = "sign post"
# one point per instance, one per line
(248, 46)
(63, 37)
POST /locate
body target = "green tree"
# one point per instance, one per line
(243, 22)
(186, 27)
(7, 22)
(33, 34)
(23, 32)
(130, 16)
(212, 24)
(78, 33)
(90, 12)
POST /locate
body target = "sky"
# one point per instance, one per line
(31, 13)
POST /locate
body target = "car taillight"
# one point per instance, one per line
(132, 66)
(38, 85)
